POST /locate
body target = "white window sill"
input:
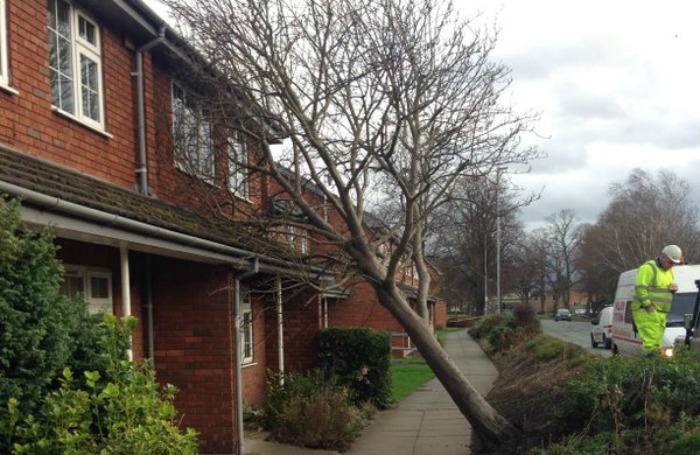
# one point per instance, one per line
(72, 117)
(8, 89)
(248, 365)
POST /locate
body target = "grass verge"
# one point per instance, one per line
(407, 375)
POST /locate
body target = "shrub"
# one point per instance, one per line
(120, 411)
(311, 410)
(325, 420)
(489, 323)
(526, 318)
(638, 402)
(36, 323)
(503, 330)
(345, 353)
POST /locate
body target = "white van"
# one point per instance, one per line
(625, 339)
(601, 333)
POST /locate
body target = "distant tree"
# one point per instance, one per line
(36, 322)
(596, 280)
(564, 247)
(537, 248)
(465, 239)
(646, 213)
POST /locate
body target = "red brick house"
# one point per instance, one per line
(92, 103)
(102, 138)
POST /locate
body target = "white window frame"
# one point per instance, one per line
(238, 172)
(81, 50)
(194, 148)
(4, 58)
(95, 305)
(297, 238)
(246, 343)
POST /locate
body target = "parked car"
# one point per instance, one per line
(562, 314)
(601, 333)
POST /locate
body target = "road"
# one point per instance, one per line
(574, 332)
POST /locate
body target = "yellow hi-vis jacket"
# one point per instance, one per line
(652, 288)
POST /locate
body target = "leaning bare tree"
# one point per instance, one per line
(370, 94)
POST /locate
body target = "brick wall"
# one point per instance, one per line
(302, 321)
(440, 314)
(28, 123)
(361, 309)
(254, 374)
(194, 347)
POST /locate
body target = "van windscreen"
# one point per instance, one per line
(683, 303)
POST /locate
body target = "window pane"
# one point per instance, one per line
(87, 31)
(99, 288)
(63, 18)
(247, 335)
(60, 57)
(72, 286)
(238, 182)
(90, 88)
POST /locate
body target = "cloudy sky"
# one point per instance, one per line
(617, 84)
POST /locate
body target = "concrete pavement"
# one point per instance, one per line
(425, 423)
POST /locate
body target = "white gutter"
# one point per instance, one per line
(54, 204)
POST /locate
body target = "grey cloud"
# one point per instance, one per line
(542, 61)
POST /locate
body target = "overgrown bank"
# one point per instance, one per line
(567, 401)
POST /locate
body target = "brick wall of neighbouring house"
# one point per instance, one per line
(254, 374)
(440, 315)
(302, 321)
(194, 346)
(361, 309)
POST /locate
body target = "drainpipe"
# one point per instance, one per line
(142, 170)
(126, 288)
(280, 330)
(149, 309)
(237, 356)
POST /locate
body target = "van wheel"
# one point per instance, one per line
(593, 343)
(607, 342)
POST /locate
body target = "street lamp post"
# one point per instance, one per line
(486, 273)
(498, 239)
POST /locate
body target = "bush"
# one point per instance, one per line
(120, 411)
(638, 405)
(503, 330)
(345, 353)
(311, 410)
(36, 323)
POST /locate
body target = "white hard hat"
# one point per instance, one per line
(673, 252)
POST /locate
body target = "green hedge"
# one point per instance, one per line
(343, 352)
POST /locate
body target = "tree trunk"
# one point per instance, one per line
(490, 427)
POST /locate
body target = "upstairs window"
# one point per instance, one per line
(4, 65)
(237, 169)
(93, 286)
(192, 133)
(297, 237)
(75, 63)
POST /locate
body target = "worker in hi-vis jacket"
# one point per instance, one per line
(653, 294)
